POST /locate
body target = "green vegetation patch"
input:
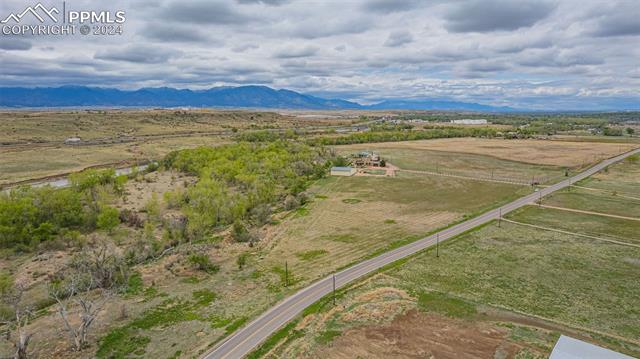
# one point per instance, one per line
(327, 336)
(235, 325)
(287, 332)
(311, 254)
(121, 342)
(444, 304)
(344, 238)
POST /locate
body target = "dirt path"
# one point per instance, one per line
(572, 233)
(586, 212)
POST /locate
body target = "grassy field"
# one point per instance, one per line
(596, 201)
(466, 164)
(31, 142)
(524, 285)
(55, 126)
(621, 178)
(589, 224)
(352, 217)
(23, 164)
(540, 152)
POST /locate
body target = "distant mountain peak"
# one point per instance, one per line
(250, 96)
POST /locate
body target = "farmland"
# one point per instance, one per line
(218, 234)
(509, 288)
(501, 283)
(540, 152)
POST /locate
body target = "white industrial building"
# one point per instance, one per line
(468, 121)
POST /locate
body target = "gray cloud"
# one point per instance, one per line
(623, 21)
(332, 27)
(548, 55)
(390, 6)
(204, 12)
(398, 38)
(9, 43)
(177, 33)
(494, 15)
(245, 47)
(138, 54)
(266, 2)
(295, 52)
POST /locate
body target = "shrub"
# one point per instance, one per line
(203, 263)
(108, 219)
(291, 202)
(242, 260)
(241, 233)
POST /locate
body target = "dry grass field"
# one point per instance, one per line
(494, 292)
(503, 291)
(32, 142)
(19, 127)
(28, 163)
(354, 217)
(539, 152)
(458, 163)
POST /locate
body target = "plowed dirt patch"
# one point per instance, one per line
(418, 335)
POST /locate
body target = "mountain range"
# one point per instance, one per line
(230, 97)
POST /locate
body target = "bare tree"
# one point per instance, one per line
(83, 303)
(92, 279)
(12, 297)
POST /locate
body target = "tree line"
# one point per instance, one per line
(243, 183)
(30, 216)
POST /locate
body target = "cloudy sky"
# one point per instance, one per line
(547, 54)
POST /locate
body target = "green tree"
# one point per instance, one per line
(108, 219)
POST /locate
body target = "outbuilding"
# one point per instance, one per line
(343, 171)
(569, 348)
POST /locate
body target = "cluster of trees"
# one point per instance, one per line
(268, 136)
(409, 135)
(33, 215)
(241, 183)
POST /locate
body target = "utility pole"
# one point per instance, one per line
(334, 290)
(437, 245)
(500, 217)
(286, 274)
(540, 198)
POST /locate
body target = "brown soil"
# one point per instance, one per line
(419, 335)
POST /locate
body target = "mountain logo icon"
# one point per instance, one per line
(39, 12)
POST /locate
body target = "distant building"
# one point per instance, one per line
(569, 348)
(73, 141)
(366, 159)
(343, 171)
(468, 121)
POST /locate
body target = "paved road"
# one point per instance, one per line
(249, 337)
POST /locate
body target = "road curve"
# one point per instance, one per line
(246, 339)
